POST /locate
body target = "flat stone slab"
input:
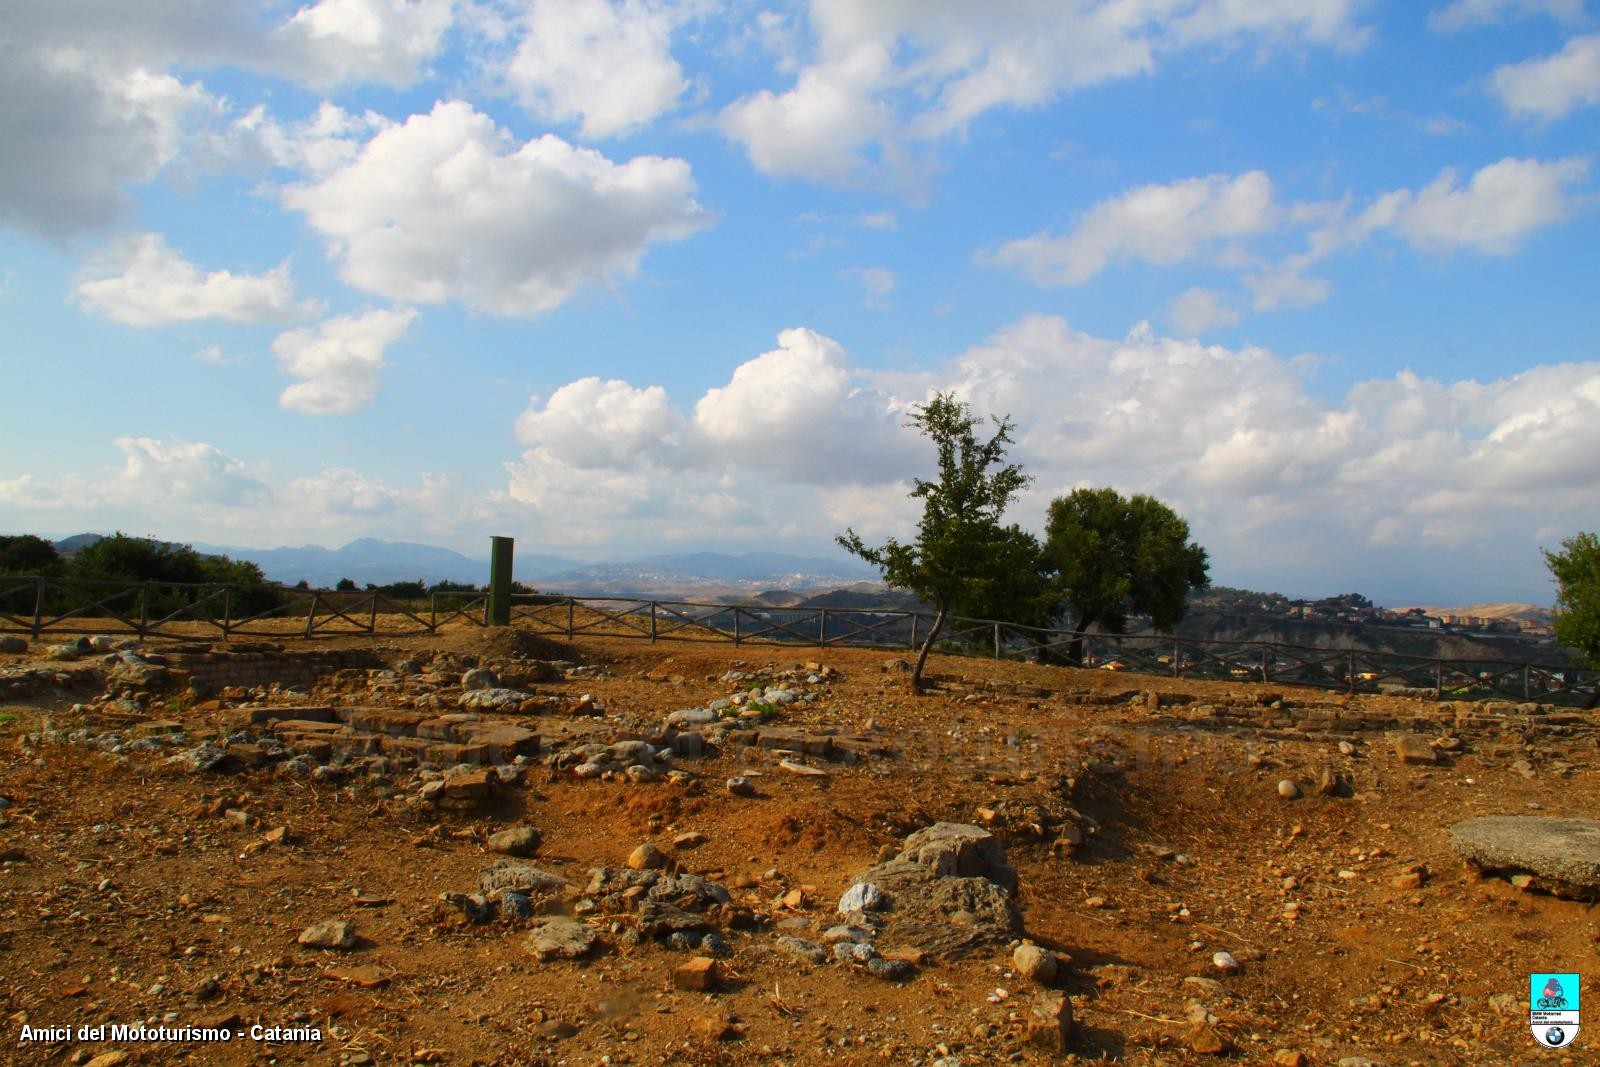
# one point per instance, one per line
(1563, 855)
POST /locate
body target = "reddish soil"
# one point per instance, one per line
(116, 880)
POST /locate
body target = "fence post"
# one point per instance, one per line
(144, 607)
(996, 640)
(570, 605)
(652, 622)
(1177, 671)
(914, 617)
(1352, 680)
(822, 630)
(499, 609)
(1438, 677)
(372, 624)
(736, 624)
(1527, 686)
(1266, 666)
(227, 610)
(38, 606)
(311, 613)
(433, 613)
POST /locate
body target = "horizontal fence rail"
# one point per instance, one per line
(41, 606)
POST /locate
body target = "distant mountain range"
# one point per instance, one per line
(379, 562)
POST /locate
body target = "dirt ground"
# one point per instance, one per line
(127, 897)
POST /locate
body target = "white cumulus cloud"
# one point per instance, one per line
(143, 281)
(605, 64)
(333, 42)
(1497, 207)
(592, 423)
(1197, 310)
(1162, 224)
(447, 206)
(338, 360)
(1552, 86)
(891, 72)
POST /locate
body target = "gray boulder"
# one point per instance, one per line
(949, 892)
(558, 938)
(1562, 855)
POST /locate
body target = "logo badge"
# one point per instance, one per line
(1553, 1008)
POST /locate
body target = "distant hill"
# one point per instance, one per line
(1513, 612)
(1368, 637)
(70, 546)
(705, 575)
(378, 562)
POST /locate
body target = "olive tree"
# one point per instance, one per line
(962, 556)
(1576, 570)
(1114, 556)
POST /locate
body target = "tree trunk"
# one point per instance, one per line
(1075, 649)
(922, 653)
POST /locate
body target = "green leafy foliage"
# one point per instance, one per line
(27, 554)
(1114, 556)
(961, 549)
(1576, 570)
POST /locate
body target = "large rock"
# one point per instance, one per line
(949, 849)
(558, 938)
(1563, 855)
(948, 892)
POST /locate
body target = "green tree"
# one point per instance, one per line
(1576, 570)
(953, 559)
(27, 554)
(121, 558)
(1114, 556)
(345, 585)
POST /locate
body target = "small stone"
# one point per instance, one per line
(114, 1058)
(330, 934)
(1328, 783)
(515, 841)
(558, 937)
(1346, 749)
(1050, 1023)
(802, 949)
(1224, 962)
(890, 970)
(715, 1028)
(802, 770)
(647, 857)
(1288, 790)
(699, 975)
(559, 1029)
(863, 896)
(692, 839)
(1410, 748)
(1204, 1039)
(1408, 880)
(1034, 963)
(741, 787)
(852, 952)
(479, 678)
(1290, 1058)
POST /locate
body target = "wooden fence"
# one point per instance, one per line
(41, 606)
(1349, 669)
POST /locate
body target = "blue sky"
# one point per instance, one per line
(637, 275)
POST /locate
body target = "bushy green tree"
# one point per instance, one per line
(1576, 570)
(121, 558)
(954, 559)
(345, 585)
(1114, 556)
(27, 554)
